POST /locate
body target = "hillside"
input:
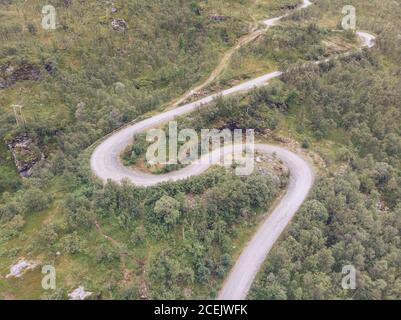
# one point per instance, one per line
(110, 63)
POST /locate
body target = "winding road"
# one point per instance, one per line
(106, 165)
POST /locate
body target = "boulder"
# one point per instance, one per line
(18, 269)
(79, 294)
(119, 24)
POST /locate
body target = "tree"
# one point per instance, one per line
(260, 191)
(228, 200)
(71, 243)
(48, 235)
(167, 209)
(9, 210)
(138, 236)
(35, 200)
(78, 212)
(106, 253)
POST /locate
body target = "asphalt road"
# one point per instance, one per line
(106, 164)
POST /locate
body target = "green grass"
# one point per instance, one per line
(9, 177)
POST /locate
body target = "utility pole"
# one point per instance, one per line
(19, 116)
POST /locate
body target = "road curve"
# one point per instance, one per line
(105, 160)
(106, 164)
(239, 281)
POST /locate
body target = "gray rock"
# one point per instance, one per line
(79, 294)
(18, 269)
(119, 24)
(22, 148)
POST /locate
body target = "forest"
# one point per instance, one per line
(178, 241)
(353, 216)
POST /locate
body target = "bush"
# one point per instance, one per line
(35, 200)
(71, 243)
(138, 236)
(106, 253)
(305, 144)
(8, 211)
(167, 209)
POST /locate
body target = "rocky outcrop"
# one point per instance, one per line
(79, 294)
(289, 7)
(13, 72)
(218, 18)
(25, 153)
(18, 269)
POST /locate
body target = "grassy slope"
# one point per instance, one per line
(88, 54)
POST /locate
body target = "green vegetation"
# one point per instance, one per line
(79, 83)
(284, 46)
(135, 155)
(183, 234)
(353, 216)
(179, 240)
(249, 10)
(9, 179)
(186, 231)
